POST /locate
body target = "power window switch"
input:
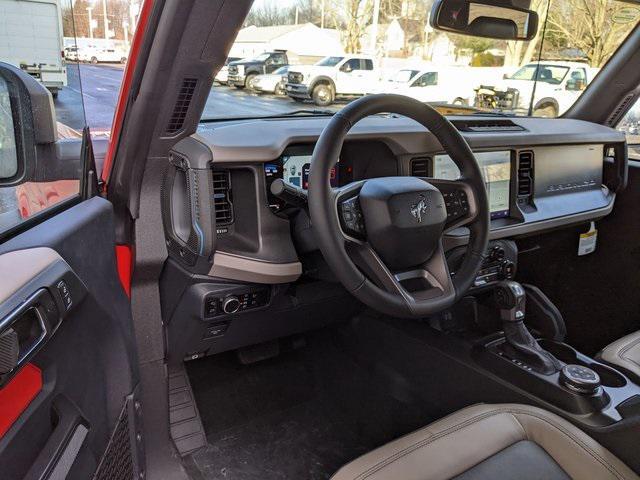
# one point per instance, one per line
(65, 293)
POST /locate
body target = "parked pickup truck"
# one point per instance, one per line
(242, 72)
(558, 86)
(331, 78)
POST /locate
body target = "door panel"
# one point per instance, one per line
(86, 356)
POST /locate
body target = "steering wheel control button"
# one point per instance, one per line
(352, 218)
(457, 204)
(580, 379)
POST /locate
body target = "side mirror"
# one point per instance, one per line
(506, 76)
(484, 18)
(346, 68)
(27, 125)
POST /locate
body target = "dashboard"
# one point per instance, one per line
(294, 164)
(539, 174)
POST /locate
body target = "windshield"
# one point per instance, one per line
(329, 61)
(262, 58)
(403, 76)
(281, 70)
(338, 54)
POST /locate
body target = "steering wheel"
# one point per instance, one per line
(383, 237)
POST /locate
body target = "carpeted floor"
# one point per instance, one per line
(301, 415)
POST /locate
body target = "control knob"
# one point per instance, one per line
(580, 379)
(231, 304)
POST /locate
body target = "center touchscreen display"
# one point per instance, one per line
(496, 171)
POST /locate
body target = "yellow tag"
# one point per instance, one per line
(587, 242)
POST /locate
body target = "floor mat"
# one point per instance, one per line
(301, 415)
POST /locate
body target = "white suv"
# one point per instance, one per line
(331, 78)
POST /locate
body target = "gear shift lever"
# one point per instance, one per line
(520, 344)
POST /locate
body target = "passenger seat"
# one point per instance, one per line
(624, 353)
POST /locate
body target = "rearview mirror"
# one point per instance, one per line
(483, 18)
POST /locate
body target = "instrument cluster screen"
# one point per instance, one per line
(295, 171)
(496, 171)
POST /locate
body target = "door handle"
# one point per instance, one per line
(24, 332)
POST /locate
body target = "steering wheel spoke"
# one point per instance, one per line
(460, 201)
(374, 268)
(428, 281)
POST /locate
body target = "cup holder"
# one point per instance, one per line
(563, 352)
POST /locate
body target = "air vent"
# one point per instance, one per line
(420, 167)
(525, 175)
(222, 197)
(493, 125)
(620, 110)
(181, 107)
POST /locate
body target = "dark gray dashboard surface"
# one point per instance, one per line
(265, 140)
(569, 160)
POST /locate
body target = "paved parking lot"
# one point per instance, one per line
(100, 84)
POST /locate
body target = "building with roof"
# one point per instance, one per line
(305, 40)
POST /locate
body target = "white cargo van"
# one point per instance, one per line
(31, 39)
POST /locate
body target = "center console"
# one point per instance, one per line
(586, 389)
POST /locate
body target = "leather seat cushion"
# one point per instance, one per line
(478, 441)
(624, 353)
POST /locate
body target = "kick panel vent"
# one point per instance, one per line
(525, 174)
(181, 106)
(620, 110)
(420, 167)
(222, 197)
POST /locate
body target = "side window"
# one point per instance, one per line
(630, 125)
(8, 152)
(279, 60)
(426, 80)
(366, 64)
(577, 80)
(34, 174)
(351, 65)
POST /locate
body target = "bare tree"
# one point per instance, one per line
(75, 18)
(591, 26)
(351, 17)
(517, 52)
(269, 14)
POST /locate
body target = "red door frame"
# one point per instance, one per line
(124, 253)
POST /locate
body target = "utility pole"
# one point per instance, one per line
(322, 14)
(90, 22)
(374, 27)
(106, 20)
(297, 12)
